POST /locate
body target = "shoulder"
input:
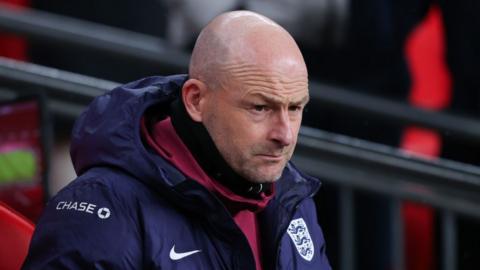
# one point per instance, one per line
(81, 226)
(125, 195)
(83, 223)
(101, 187)
(100, 199)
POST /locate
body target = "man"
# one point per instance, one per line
(193, 172)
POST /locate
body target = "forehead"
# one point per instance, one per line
(285, 84)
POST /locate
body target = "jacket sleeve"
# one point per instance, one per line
(85, 226)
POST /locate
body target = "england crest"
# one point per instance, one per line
(298, 231)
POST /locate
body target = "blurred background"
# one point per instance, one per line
(392, 128)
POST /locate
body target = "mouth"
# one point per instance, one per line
(271, 158)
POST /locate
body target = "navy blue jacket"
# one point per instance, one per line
(130, 209)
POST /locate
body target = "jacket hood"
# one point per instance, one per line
(108, 132)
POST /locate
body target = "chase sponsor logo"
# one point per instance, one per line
(298, 231)
(103, 213)
(90, 208)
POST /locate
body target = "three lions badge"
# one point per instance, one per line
(298, 231)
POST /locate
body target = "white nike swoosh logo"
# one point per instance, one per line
(177, 256)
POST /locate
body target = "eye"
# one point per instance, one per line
(260, 107)
(295, 108)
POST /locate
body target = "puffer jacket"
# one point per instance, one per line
(130, 209)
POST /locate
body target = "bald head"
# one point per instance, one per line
(239, 40)
(254, 120)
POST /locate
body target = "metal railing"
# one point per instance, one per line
(52, 28)
(67, 93)
(349, 163)
(353, 165)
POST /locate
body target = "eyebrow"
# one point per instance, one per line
(274, 99)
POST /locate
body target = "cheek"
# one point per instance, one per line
(226, 130)
(243, 139)
(240, 135)
(252, 133)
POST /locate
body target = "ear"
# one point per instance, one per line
(193, 94)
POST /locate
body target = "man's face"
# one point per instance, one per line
(254, 120)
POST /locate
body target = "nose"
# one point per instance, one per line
(281, 131)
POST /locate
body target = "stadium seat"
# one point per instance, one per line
(15, 234)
